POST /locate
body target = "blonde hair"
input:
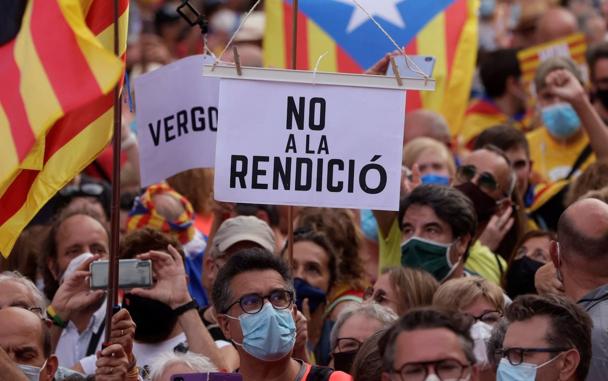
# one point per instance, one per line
(458, 294)
(415, 148)
(414, 288)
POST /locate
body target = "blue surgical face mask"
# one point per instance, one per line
(31, 372)
(268, 335)
(522, 372)
(487, 8)
(561, 120)
(435, 179)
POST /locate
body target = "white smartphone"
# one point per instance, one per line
(426, 64)
(131, 273)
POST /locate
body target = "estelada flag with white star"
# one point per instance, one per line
(445, 29)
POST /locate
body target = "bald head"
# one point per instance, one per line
(23, 331)
(426, 123)
(168, 206)
(556, 23)
(582, 230)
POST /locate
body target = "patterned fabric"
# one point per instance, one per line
(145, 214)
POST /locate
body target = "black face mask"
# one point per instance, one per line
(343, 361)
(154, 320)
(485, 206)
(304, 290)
(602, 96)
(520, 277)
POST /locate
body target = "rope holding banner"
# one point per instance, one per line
(408, 60)
(314, 73)
(218, 58)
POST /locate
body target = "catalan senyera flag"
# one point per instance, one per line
(573, 46)
(56, 102)
(445, 29)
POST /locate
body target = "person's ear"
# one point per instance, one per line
(386, 376)
(570, 362)
(461, 245)
(504, 204)
(224, 323)
(48, 373)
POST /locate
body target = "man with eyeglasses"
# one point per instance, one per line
(18, 291)
(487, 179)
(547, 338)
(253, 296)
(353, 327)
(429, 345)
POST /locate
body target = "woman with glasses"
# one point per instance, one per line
(480, 300)
(354, 326)
(434, 160)
(475, 296)
(401, 289)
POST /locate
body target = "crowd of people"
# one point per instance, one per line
(495, 266)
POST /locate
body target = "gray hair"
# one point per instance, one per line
(385, 316)
(196, 362)
(36, 296)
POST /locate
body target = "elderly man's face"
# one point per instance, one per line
(21, 337)
(15, 294)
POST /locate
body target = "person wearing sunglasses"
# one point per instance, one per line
(487, 179)
(253, 296)
(429, 344)
(547, 338)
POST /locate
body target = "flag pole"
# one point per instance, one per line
(294, 51)
(112, 290)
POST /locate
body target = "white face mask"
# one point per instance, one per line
(481, 333)
(32, 372)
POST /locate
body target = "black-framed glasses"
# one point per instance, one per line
(488, 317)
(448, 369)
(516, 355)
(347, 344)
(486, 180)
(253, 303)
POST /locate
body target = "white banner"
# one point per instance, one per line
(177, 119)
(309, 145)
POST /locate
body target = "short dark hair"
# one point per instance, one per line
(367, 364)
(49, 246)
(495, 68)
(503, 137)
(570, 325)
(594, 54)
(306, 234)
(143, 240)
(427, 318)
(449, 204)
(251, 259)
(574, 241)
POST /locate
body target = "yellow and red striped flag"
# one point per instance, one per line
(56, 102)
